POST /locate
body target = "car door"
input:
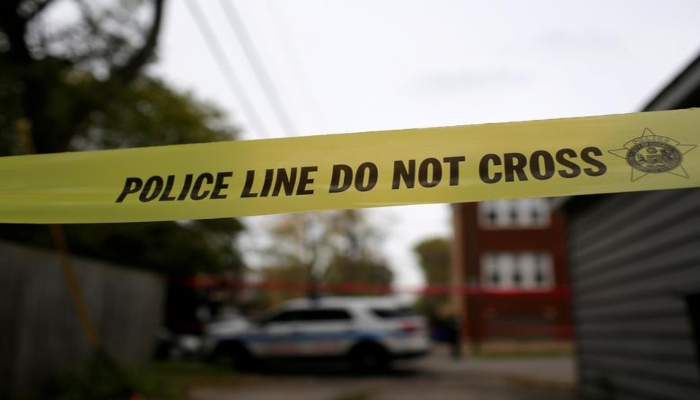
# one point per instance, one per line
(323, 332)
(274, 335)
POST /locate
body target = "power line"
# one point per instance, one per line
(236, 23)
(226, 68)
(284, 35)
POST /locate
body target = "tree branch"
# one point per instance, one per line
(37, 9)
(15, 28)
(128, 71)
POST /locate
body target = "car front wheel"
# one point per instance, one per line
(237, 355)
(369, 358)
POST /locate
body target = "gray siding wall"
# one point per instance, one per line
(634, 257)
(40, 332)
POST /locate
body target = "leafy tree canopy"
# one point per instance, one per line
(364, 277)
(332, 247)
(74, 70)
(435, 260)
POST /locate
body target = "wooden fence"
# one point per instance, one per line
(40, 332)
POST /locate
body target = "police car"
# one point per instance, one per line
(369, 332)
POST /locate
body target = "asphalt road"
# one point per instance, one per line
(436, 377)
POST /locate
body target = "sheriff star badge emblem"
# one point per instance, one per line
(654, 154)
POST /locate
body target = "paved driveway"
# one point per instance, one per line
(437, 377)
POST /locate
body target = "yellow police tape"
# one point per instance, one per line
(563, 157)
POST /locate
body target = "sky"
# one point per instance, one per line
(366, 65)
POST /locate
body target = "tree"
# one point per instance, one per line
(434, 256)
(80, 85)
(331, 247)
(149, 113)
(345, 276)
(279, 283)
(56, 76)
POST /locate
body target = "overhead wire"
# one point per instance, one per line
(258, 66)
(226, 68)
(284, 34)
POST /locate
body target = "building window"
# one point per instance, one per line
(524, 213)
(529, 270)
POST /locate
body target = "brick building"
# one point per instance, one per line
(510, 260)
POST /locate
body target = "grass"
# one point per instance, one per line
(102, 378)
(187, 375)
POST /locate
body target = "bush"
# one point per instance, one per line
(101, 378)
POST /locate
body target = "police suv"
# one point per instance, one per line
(369, 332)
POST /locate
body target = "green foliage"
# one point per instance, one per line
(316, 240)
(59, 70)
(283, 283)
(331, 247)
(169, 248)
(103, 379)
(146, 113)
(80, 85)
(188, 374)
(342, 270)
(150, 114)
(434, 256)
